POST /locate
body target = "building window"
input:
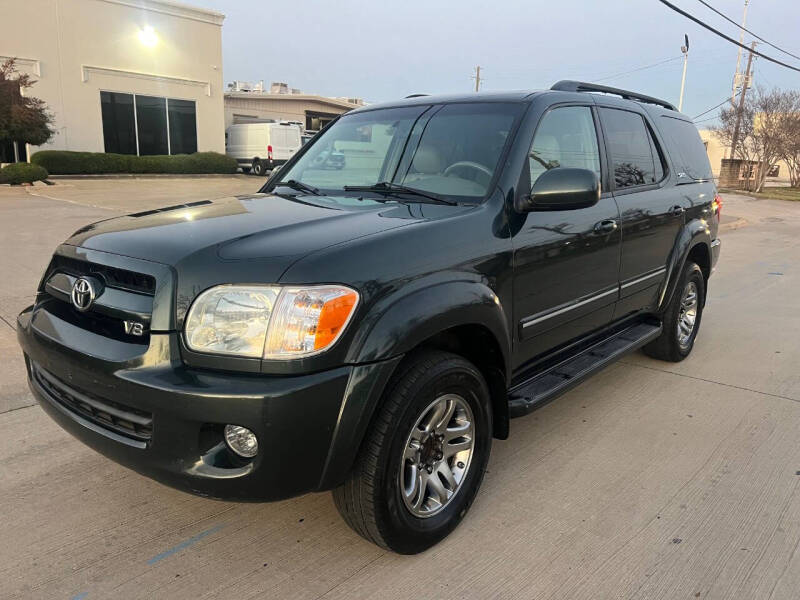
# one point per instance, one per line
(11, 151)
(119, 123)
(151, 125)
(182, 127)
(148, 125)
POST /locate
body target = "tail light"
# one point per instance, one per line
(269, 152)
(716, 205)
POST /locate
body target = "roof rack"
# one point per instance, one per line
(580, 86)
(416, 95)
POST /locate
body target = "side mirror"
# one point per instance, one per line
(563, 188)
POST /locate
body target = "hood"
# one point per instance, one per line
(245, 239)
(260, 226)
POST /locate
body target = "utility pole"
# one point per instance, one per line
(685, 50)
(477, 78)
(740, 108)
(737, 75)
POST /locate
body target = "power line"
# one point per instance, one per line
(713, 107)
(758, 37)
(723, 36)
(709, 118)
(637, 69)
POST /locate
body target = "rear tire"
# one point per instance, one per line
(681, 318)
(258, 167)
(407, 493)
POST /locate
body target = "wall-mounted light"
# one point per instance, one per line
(148, 37)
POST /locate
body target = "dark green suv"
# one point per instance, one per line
(368, 329)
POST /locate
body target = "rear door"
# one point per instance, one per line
(285, 140)
(293, 142)
(277, 139)
(566, 261)
(651, 213)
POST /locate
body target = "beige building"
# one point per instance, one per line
(129, 76)
(716, 152)
(311, 111)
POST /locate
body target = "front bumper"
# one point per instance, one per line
(96, 395)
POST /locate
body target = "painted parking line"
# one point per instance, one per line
(183, 545)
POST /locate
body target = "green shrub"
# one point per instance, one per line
(62, 162)
(22, 173)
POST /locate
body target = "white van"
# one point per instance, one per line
(263, 145)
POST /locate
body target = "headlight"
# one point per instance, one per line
(269, 321)
(231, 319)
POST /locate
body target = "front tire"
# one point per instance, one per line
(423, 460)
(681, 318)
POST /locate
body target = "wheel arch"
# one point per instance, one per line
(462, 317)
(693, 243)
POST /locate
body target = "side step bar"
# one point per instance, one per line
(557, 379)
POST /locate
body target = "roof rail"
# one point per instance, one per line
(580, 86)
(416, 95)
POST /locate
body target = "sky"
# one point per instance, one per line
(386, 50)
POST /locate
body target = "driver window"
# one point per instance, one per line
(566, 137)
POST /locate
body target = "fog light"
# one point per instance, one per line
(241, 440)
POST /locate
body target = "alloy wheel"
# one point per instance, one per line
(437, 455)
(687, 317)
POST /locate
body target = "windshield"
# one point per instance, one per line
(451, 150)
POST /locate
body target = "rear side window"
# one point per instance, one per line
(634, 156)
(691, 153)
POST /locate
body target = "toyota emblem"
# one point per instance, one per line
(83, 294)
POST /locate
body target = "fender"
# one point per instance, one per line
(693, 233)
(402, 322)
(392, 328)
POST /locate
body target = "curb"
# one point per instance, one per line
(730, 226)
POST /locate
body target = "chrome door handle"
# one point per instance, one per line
(607, 226)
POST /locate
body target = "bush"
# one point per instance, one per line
(62, 162)
(22, 173)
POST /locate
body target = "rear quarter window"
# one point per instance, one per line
(688, 149)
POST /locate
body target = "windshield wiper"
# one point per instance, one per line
(389, 188)
(300, 187)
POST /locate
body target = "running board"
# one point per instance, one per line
(554, 381)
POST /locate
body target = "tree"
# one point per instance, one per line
(23, 118)
(790, 145)
(762, 124)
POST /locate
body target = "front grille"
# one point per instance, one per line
(109, 327)
(123, 420)
(112, 276)
(124, 296)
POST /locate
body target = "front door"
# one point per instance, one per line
(651, 212)
(566, 262)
